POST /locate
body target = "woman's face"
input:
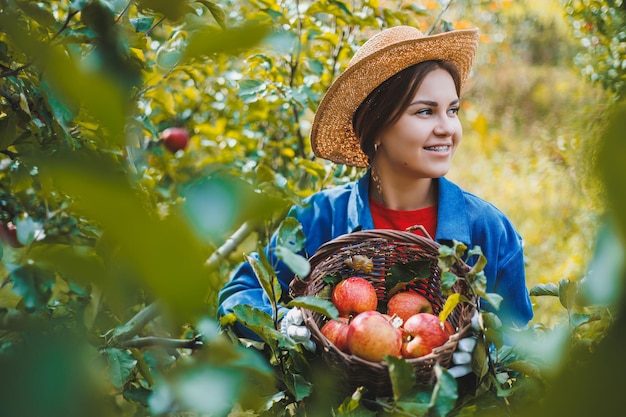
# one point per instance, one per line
(421, 143)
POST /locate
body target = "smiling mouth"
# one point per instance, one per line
(443, 148)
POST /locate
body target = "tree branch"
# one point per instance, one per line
(143, 342)
(230, 245)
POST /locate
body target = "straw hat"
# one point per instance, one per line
(382, 56)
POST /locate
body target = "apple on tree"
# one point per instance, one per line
(404, 304)
(8, 234)
(425, 333)
(354, 295)
(336, 331)
(175, 138)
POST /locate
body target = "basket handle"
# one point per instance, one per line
(420, 228)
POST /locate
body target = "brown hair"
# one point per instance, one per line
(384, 106)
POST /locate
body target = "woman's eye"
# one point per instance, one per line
(424, 112)
(453, 110)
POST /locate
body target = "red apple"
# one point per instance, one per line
(336, 331)
(371, 336)
(449, 328)
(407, 303)
(175, 138)
(425, 332)
(8, 234)
(354, 295)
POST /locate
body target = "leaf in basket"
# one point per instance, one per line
(298, 264)
(445, 392)
(450, 255)
(325, 292)
(402, 274)
(359, 263)
(452, 301)
(333, 278)
(290, 235)
(479, 264)
(267, 279)
(448, 279)
(402, 376)
(316, 304)
(262, 324)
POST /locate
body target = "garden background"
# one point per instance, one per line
(114, 248)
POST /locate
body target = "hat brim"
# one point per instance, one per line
(332, 134)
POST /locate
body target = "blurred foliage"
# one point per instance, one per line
(113, 248)
(600, 28)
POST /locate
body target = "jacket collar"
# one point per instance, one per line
(452, 217)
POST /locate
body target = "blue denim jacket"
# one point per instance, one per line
(462, 216)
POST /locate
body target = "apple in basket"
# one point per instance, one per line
(371, 336)
(404, 304)
(449, 328)
(424, 333)
(354, 295)
(336, 331)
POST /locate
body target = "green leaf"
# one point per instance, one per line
(480, 364)
(352, 406)
(174, 10)
(265, 276)
(33, 284)
(38, 13)
(141, 24)
(211, 41)
(402, 376)
(544, 289)
(480, 263)
(8, 130)
(298, 264)
(445, 392)
(27, 230)
(164, 253)
(121, 364)
(290, 235)
(493, 299)
(578, 319)
(448, 279)
(262, 324)
(567, 293)
(216, 11)
(251, 87)
(301, 387)
(525, 367)
(402, 274)
(313, 303)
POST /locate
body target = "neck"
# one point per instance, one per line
(401, 192)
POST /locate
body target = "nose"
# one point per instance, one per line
(445, 125)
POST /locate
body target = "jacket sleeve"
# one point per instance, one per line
(510, 283)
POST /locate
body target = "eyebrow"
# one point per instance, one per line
(432, 103)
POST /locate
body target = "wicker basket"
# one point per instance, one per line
(385, 248)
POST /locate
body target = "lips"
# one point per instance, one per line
(440, 148)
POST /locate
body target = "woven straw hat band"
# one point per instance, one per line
(381, 57)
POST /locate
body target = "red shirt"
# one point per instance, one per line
(386, 218)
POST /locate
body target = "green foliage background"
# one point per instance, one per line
(108, 289)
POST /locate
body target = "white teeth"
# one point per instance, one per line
(437, 148)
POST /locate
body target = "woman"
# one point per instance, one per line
(395, 111)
